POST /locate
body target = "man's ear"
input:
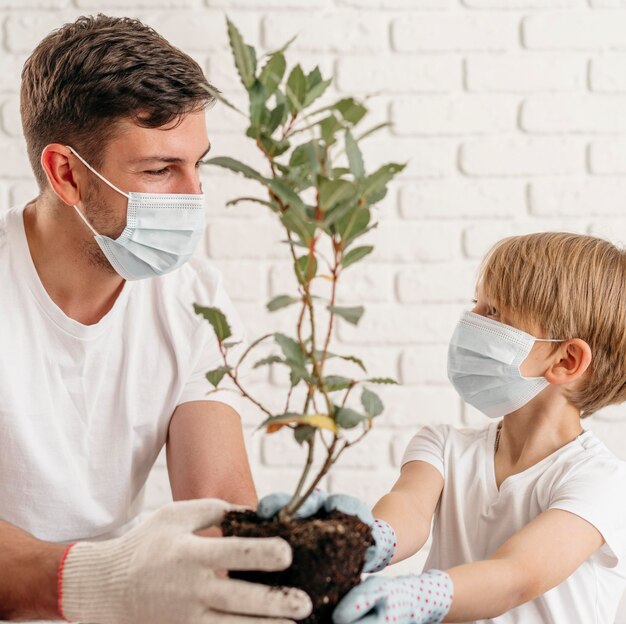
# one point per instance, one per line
(570, 362)
(61, 173)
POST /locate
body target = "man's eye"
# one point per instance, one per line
(159, 171)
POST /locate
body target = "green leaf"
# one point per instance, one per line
(329, 126)
(290, 348)
(253, 346)
(302, 433)
(277, 116)
(333, 192)
(217, 319)
(356, 254)
(383, 380)
(307, 271)
(230, 345)
(348, 418)
(282, 50)
(238, 167)
(286, 194)
(294, 221)
(355, 158)
(296, 89)
(243, 54)
(272, 147)
(236, 201)
(272, 359)
(258, 110)
(378, 180)
(353, 225)
(216, 375)
(352, 315)
(351, 110)
(335, 383)
(355, 360)
(371, 402)
(272, 73)
(218, 96)
(373, 130)
(282, 301)
(316, 91)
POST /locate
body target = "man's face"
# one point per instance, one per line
(144, 160)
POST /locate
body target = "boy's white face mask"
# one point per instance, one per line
(162, 231)
(484, 359)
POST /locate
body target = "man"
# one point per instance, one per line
(103, 356)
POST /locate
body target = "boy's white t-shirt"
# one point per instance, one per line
(473, 518)
(85, 409)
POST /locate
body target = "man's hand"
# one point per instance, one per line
(377, 556)
(415, 599)
(160, 572)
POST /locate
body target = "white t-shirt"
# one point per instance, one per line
(473, 519)
(85, 409)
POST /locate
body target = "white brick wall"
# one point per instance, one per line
(511, 115)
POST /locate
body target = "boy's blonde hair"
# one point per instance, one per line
(571, 286)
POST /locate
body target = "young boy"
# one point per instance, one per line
(530, 510)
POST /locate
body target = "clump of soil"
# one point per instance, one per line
(328, 555)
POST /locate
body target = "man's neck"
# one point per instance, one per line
(84, 291)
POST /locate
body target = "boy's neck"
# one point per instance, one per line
(537, 430)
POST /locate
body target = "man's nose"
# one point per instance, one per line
(190, 184)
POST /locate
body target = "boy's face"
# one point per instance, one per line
(146, 160)
(541, 354)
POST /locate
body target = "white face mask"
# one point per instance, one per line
(161, 233)
(484, 359)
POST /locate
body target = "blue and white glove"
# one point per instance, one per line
(416, 599)
(377, 556)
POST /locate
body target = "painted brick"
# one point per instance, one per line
(407, 324)
(578, 198)
(235, 239)
(455, 32)
(425, 364)
(437, 283)
(396, 4)
(608, 156)
(523, 4)
(522, 73)
(334, 32)
(399, 74)
(578, 30)
(11, 120)
(458, 198)
(521, 157)
(608, 74)
(556, 114)
(441, 115)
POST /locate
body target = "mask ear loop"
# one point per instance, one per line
(94, 171)
(82, 216)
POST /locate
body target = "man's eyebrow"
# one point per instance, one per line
(167, 159)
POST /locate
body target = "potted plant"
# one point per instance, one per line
(317, 186)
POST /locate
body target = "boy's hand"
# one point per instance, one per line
(416, 599)
(377, 556)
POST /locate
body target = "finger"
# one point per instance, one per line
(235, 596)
(239, 553)
(349, 505)
(193, 515)
(312, 504)
(270, 505)
(369, 618)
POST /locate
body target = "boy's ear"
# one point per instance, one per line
(570, 362)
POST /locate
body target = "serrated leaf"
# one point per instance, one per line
(334, 383)
(348, 418)
(290, 348)
(316, 91)
(272, 73)
(216, 375)
(230, 345)
(377, 181)
(217, 320)
(351, 110)
(356, 254)
(355, 158)
(234, 202)
(277, 116)
(258, 110)
(355, 360)
(282, 301)
(333, 192)
(371, 402)
(353, 225)
(352, 314)
(329, 126)
(267, 361)
(383, 380)
(218, 96)
(244, 60)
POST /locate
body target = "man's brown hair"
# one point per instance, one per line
(87, 75)
(571, 286)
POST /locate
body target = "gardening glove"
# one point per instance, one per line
(160, 572)
(377, 556)
(416, 599)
